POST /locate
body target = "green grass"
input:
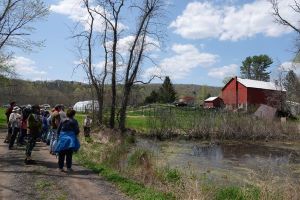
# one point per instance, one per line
(139, 123)
(2, 118)
(130, 187)
(80, 118)
(42, 184)
(238, 193)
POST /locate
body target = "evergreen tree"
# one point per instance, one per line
(246, 68)
(292, 86)
(167, 92)
(256, 67)
(152, 98)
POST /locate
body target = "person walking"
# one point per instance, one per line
(34, 127)
(55, 121)
(15, 123)
(9, 128)
(45, 128)
(23, 132)
(68, 131)
(87, 124)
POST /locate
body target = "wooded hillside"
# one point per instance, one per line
(69, 92)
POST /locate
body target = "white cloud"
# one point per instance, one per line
(27, 68)
(187, 57)
(76, 11)
(286, 66)
(208, 20)
(125, 43)
(222, 72)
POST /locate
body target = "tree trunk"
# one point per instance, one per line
(113, 79)
(123, 110)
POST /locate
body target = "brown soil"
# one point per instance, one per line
(44, 181)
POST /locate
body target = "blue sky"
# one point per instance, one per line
(206, 41)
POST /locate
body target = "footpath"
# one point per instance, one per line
(44, 181)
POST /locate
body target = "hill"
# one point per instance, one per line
(70, 92)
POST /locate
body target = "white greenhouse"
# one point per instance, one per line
(86, 106)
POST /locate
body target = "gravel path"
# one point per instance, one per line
(44, 181)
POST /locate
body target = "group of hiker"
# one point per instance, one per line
(56, 128)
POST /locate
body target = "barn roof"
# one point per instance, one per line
(211, 99)
(260, 84)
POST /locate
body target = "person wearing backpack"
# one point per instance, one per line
(15, 122)
(87, 124)
(67, 143)
(34, 128)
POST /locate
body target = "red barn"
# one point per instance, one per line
(213, 102)
(241, 93)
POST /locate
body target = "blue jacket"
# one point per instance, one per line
(67, 141)
(67, 136)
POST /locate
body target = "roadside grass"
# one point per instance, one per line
(43, 184)
(130, 187)
(2, 118)
(237, 193)
(48, 189)
(136, 174)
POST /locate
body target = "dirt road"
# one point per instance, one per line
(44, 181)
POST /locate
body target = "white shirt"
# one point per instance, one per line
(15, 120)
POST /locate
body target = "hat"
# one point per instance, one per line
(16, 109)
(35, 107)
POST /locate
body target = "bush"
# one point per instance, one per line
(140, 157)
(172, 175)
(206, 124)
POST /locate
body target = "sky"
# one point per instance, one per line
(205, 41)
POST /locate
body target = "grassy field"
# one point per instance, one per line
(2, 118)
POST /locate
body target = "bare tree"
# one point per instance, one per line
(86, 40)
(150, 10)
(280, 19)
(16, 18)
(111, 16)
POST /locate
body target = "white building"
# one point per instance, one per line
(86, 106)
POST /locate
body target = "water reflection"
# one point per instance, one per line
(245, 152)
(236, 158)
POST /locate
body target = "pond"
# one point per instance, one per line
(235, 162)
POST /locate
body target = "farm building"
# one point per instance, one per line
(213, 102)
(85, 106)
(186, 101)
(242, 93)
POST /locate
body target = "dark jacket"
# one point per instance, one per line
(68, 125)
(34, 124)
(8, 112)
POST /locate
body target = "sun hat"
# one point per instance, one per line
(16, 109)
